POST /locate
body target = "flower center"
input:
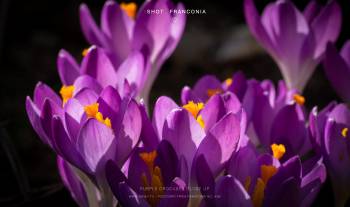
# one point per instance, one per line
(66, 93)
(344, 132)
(212, 92)
(92, 112)
(194, 109)
(278, 150)
(85, 52)
(155, 188)
(299, 99)
(129, 8)
(228, 82)
(267, 171)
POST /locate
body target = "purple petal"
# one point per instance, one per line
(336, 157)
(49, 110)
(338, 72)
(311, 182)
(128, 197)
(86, 96)
(178, 195)
(132, 69)
(187, 95)
(72, 182)
(284, 185)
(220, 142)
(167, 161)
(231, 191)
(240, 168)
(94, 141)
(340, 114)
(68, 68)
(345, 52)
(85, 81)
(42, 92)
(162, 108)
(90, 30)
(118, 27)
(205, 179)
(184, 133)
(34, 117)
(326, 26)
(239, 85)
(213, 111)
(157, 25)
(66, 148)
(129, 135)
(182, 170)
(202, 86)
(97, 65)
(289, 128)
(254, 22)
(148, 135)
(311, 11)
(109, 101)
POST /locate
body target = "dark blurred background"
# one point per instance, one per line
(33, 32)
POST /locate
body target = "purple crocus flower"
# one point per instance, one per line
(296, 40)
(329, 128)
(337, 68)
(254, 179)
(128, 78)
(213, 129)
(209, 85)
(123, 31)
(277, 117)
(155, 178)
(86, 128)
(192, 128)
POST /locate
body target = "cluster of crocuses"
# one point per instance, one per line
(238, 142)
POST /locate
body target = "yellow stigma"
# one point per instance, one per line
(193, 108)
(344, 132)
(85, 52)
(228, 81)
(278, 150)
(92, 112)
(247, 183)
(129, 8)
(200, 121)
(156, 185)
(149, 157)
(258, 194)
(299, 99)
(66, 93)
(267, 171)
(212, 92)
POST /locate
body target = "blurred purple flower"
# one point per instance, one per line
(296, 40)
(329, 129)
(123, 31)
(254, 179)
(337, 68)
